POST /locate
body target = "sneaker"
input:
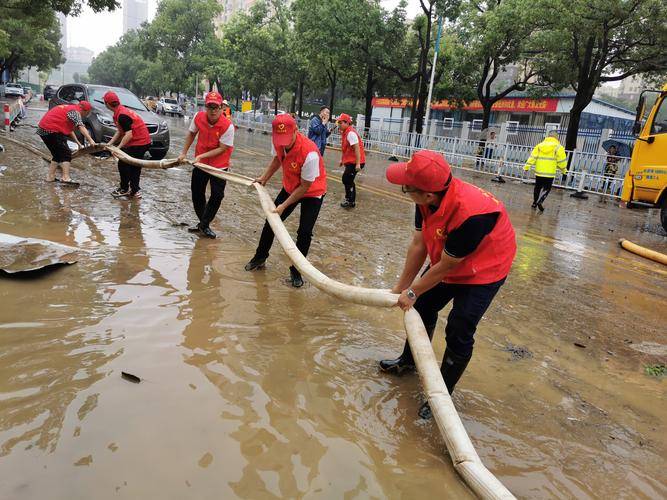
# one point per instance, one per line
(295, 277)
(136, 194)
(347, 204)
(255, 263)
(533, 206)
(396, 366)
(539, 205)
(208, 232)
(120, 192)
(194, 229)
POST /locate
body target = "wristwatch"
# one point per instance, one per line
(411, 294)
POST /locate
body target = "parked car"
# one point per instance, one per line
(13, 90)
(100, 121)
(169, 106)
(50, 91)
(151, 102)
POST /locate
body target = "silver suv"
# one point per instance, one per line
(169, 106)
(100, 121)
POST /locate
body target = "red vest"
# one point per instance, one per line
(55, 119)
(349, 155)
(208, 138)
(492, 259)
(293, 160)
(140, 135)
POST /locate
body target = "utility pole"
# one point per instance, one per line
(430, 88)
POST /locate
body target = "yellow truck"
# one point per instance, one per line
(646, 180)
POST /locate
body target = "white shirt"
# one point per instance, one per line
(353, 138)
(311, 167)
(226, 139)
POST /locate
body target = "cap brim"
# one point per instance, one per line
(397, 173)
(282, 139)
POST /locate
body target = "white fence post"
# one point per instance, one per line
(465, 130)
(579, 194)
(606, 133)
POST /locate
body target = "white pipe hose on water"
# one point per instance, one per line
(464, 457)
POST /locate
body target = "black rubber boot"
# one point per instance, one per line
(405, 362)
(453, 366)
(255, 263)
(295, 277)
(207, 231)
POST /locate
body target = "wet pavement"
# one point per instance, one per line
(252, 389)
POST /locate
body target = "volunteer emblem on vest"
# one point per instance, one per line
(281, 127)
(440, 233)
(294, 165)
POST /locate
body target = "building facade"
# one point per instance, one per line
(135, 12)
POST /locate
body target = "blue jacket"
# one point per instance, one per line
(318, 133)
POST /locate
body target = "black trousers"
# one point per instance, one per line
(348, 181)
(470, 304)
(206, 210)
(310, 210)
(129, 174)
(542, 188)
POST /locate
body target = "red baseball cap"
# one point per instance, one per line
(111, 98)
(213, 98)
(283, 129)
(345, 118)
(85, 106)
(427, 171)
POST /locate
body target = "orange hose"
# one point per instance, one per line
(643, 252)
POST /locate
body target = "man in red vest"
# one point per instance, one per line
(469, 240)
(55, 127)
(215, 144)
(304, 183)
(353, 158)
(134, 140)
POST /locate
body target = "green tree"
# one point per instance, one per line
(67, 7)
(28, 38)
(492, 36)
(588, 42)
(179, 37)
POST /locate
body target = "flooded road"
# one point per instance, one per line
(252, 389)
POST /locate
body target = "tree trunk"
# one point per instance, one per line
(370, 85)
(332, 96)
(275, 102)
(425, 80)
(581, 100)
(292, 104)
(301, 84)
(413, 109)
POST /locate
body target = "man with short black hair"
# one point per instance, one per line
(318, 132)
(470, 242)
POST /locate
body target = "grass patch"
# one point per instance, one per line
(657, 370)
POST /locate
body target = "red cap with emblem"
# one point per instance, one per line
(345, 118)
(283, 130)
(427, 171)
(85, 106)
(111, 98)
(213, 98)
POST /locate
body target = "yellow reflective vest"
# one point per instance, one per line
(546, 157)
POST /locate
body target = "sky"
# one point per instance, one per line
(99, 31)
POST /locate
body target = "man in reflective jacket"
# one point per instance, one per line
(547, 157)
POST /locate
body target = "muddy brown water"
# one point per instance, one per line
(254, 390)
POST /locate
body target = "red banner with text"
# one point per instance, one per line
(515, 104)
